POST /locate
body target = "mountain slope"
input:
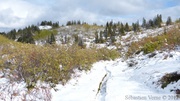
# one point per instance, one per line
(123, 82)
(147, 70)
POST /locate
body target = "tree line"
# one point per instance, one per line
(107, 35)
(114, 29)
(50, 23)
(74, 22)
(26, 34)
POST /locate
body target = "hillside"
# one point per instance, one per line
(150, 72)
(91, 63)
(67, 34)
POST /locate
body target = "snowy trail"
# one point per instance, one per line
(103, 84)
(115, 85)
(83, 88)
(120, 86)
(119, 82)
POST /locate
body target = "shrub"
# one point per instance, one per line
(166, 41)
(33, 63)
(151, 47)
(169, 78)
(44, 34)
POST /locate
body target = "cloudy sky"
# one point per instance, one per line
(20, 13)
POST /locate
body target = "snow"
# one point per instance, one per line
(134, 79)
(83, 88)
(136, 36)
(120, 82)
(107, 81)
(45, 27)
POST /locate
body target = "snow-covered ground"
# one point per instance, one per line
(116, 81)
(134, 79)
(108, 81)
(45, 27)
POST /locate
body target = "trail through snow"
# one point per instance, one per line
(121, 86)
(117, 84)
(115, 81)
(111, 81)
(103, 84)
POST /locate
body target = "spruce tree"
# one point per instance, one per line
(126, 27)
(26, 36)
(137, 25)
(12, 34)
(151, 23)
(122, 29)
(159, 20)
(52, 38)
(169, 21)
(144, 23)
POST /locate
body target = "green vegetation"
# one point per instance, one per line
(44, 34)
(50, 23)
(168, 40)
(50, 63)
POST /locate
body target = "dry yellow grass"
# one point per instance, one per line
(32, 63)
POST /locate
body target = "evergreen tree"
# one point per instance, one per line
(52, 38)
(169, 21)
(159, 20)
(55, 25)
(96, 37)
(111, 24)
(43, 23)
(126, 27)
(68, 23)
(109, 31)
(151, 23)
(114, 28)
(26, 36)
(49, 23)
(122, 29)
(144, 23)
(12, 34)
(79, 22)
(118, 24)
(136, 26)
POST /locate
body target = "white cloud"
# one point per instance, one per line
(171, 11)
(19, 13)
